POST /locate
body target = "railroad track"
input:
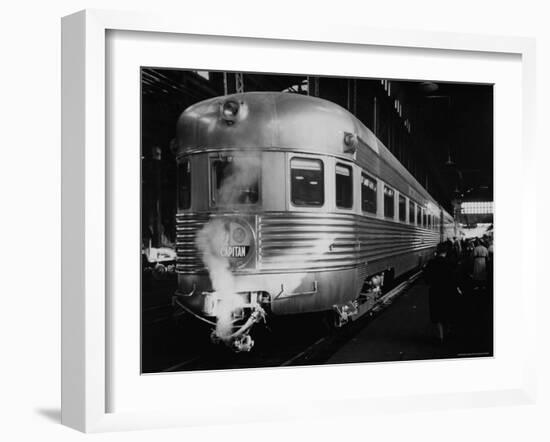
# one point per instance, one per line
(282, 352)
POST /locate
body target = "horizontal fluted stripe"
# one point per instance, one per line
(300, 241)
(286, 238)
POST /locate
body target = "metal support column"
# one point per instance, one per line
(313, 86)
(239, 82)
(375, 118)
(225, 85)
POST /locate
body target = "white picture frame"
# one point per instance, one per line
(86, 314)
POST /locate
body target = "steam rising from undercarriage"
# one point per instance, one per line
(209, 241)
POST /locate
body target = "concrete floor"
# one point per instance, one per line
(404, 331)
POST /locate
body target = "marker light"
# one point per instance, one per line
(350, 143)
(229, 110)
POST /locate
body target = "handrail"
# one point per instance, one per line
(307, 293)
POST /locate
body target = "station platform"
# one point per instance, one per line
(404, 330)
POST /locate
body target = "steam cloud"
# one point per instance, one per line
(209, 241)
(238, 186)
(240, 181)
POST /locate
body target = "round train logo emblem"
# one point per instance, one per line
(239, 244)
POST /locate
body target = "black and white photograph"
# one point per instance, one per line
(299, 220)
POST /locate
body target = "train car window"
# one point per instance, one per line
(307, 187)
(368, 194)
(389, 195)
(402, 208)
(411, 212)
(184, 185)
(418, 215)
(235, 180)
(344, 186)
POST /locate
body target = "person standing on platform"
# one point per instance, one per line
(457, 247)
(491, 250)
(481, 255)
(441, 276)
(451, 251)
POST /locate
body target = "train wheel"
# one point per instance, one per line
(389, 278)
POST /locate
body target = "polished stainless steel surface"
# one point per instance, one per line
(303, 241)
(266, 120)
(293, 122)
(383, 239)
(187, 226)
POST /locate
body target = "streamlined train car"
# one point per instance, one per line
(289, 204)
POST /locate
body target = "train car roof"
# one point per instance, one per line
(281, 120)
(265, 120)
